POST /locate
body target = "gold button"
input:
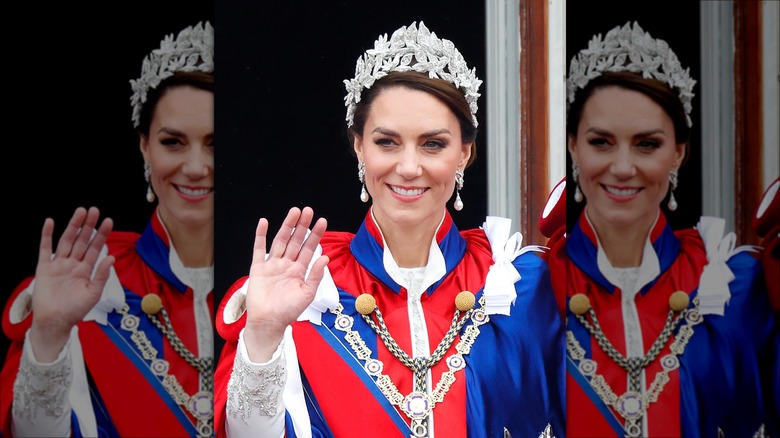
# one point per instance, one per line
(365, 304)
(464, 301)
(678, 301)
(579, 304)
(151, 304)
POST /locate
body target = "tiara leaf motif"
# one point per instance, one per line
(191, 50)
(439, 58)
(631, 49)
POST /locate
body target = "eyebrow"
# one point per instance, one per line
(166, 130)
(637, 135)
(391, 133)
(177, 133)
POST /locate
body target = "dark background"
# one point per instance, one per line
(280, 125)
(67, 71)
(678, 26)
(280, 114)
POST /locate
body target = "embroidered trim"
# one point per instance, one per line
(201, 404)
(418, 405)
(249, 388)
(633, 404)
(42, 387)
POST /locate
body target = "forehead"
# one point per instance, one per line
(185, 103)
(614, 107)
(406, 107)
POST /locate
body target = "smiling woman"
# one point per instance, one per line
(109, 303)
(656, 318)
(403, 320)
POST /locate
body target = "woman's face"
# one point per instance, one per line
(411, 145)
(625, 146)
(180, 149)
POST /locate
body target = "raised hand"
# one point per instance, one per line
(279, 289)
(65, 287)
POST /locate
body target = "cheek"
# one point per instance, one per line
(591, 166)
(163, 166)
(376, 169)
(659, 175)
(443, 173)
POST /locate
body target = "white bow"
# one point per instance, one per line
(714, 290)
(499, 291)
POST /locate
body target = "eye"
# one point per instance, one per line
(170, 141)
(598, 142)
(649, 144)
(434, 144)
(384, 142)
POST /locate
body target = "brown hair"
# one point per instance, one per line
(441, 89)
(196, 79)
(656, 90)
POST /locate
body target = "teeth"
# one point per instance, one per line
(191, 192)
(404, 192)
(621, 192)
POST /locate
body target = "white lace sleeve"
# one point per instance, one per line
(41, 406)
(254, 401)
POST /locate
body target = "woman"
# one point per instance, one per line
(667, 331)
(116, 326)
(408, 327)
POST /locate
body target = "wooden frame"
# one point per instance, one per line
(534, 106)
(747, 117)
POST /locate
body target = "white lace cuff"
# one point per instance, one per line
(42, 387)
(256, 385)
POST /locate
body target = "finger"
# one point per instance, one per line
(310, 245)
(44, 250)
(316, 273)
(85, 233)
(98, 282)
(97, 242)
(261, 236)
(65, 244)
(285, 231)
(102, 273)
(299, 234)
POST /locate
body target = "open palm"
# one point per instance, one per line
(65, 287)
(279, 289)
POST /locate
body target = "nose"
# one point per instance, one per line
(623, 163)
(408, 165)
(198, 162)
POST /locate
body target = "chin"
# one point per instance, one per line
(195, 216)
(624, 219)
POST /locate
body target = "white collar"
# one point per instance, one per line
(200, 280)
(434, 270)
(649, 268)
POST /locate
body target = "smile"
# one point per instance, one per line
(621, 191)
(407, 192)
(193, 191)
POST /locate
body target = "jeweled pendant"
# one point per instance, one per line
(149, 194)
(631, 405)
(364, 194)
(417, 405)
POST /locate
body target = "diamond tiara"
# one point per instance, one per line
(631, 49)
(192, 50)
(439, 58)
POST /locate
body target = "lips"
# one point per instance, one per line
(621, 191)
(408, 192)
(194, 192)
